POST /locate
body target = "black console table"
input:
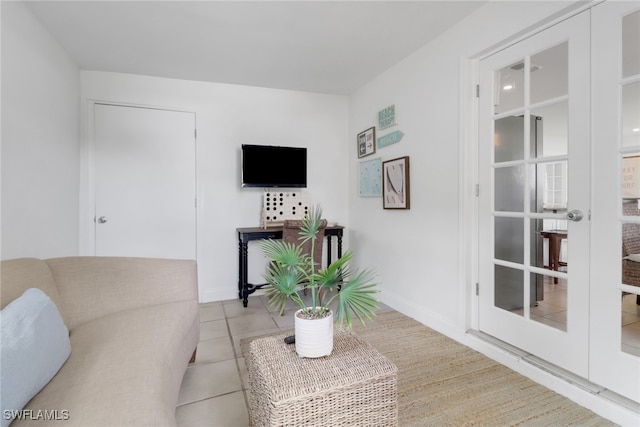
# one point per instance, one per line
(245, 235)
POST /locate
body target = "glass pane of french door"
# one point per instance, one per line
(534, 165)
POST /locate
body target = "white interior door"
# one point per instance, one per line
(615, 321)
(534, 160)
(144, 182)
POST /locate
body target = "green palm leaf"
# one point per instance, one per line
(356, 298)
(311, 224)
(283, 283)
(335, 273)
(283, 252)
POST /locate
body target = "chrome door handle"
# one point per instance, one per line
(102, 219)
(575, 215)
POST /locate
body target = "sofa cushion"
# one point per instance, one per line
(35, 344)
(18, 275)
(125, 368)
(92, 287)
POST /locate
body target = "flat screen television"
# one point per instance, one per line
(273, 166)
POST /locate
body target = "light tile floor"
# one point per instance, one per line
(213, 391)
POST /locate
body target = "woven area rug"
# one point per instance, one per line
(444, 383)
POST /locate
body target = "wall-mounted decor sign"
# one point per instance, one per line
(631, 177)
(392, 138)
(371, 178)
(395, 180)
(367, 142)
(387, 117)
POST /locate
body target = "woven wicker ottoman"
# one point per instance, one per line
(354, 386)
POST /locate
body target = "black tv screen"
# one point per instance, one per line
(272, 166)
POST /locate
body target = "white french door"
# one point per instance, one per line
(534, 199)
(615, 319)
(559, 201)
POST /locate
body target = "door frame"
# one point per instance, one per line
(567, 348)
(609, 405)
(87, 198)
(469, 156)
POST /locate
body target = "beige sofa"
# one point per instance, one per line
(133, 325)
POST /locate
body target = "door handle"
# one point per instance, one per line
(102, 219)
(575, 215)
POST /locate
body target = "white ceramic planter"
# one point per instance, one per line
(314, 338)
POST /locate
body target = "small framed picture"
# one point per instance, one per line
(395, 181)
(367, 142)
(371, 178)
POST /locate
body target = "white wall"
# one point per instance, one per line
(40, 140)
(227, 117)
(417, 252)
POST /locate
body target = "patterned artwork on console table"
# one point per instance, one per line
(280, 205)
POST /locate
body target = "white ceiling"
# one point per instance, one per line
(319, 46)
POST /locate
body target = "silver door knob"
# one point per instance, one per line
(102, 219)
(575, 215)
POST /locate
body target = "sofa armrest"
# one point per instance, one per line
(92, 287)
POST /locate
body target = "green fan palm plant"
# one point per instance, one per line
(291, 271)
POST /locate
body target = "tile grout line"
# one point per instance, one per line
(243, 387)
(208, 398)
(191, 366)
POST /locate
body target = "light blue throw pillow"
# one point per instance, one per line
(34, 345)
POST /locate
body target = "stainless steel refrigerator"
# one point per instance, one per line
(509, 197)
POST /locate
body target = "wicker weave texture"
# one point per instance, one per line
(354, 386)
